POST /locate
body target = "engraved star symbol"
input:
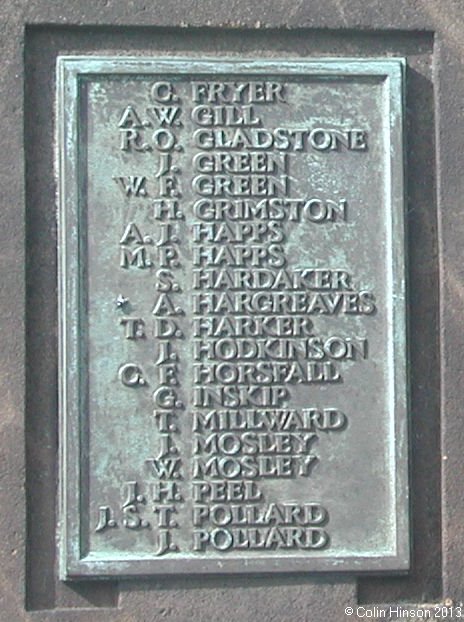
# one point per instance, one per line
(121, 301)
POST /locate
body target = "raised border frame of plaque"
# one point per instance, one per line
(75, 562)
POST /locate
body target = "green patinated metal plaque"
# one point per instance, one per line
(233, 389)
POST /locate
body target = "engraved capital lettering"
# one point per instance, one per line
(131, 375)
(105, 518)
(232, 315)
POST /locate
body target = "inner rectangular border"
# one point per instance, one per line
(70, 289)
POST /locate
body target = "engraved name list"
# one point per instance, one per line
(233, 307)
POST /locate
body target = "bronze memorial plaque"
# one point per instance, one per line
(232, 316)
